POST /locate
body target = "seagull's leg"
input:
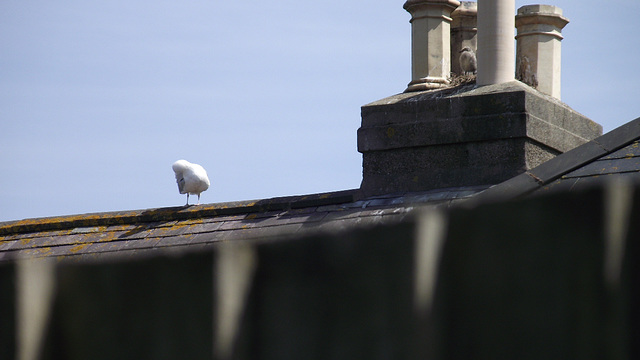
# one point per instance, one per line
(198, 200)
(187, 200)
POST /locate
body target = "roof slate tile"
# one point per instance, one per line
(632, 150)
(620, 136)
(145, 243)
(176, 240)
(7, 244)
(208, 237)
(563, 163)
(200, 228)
(106, 247)
(608, 166)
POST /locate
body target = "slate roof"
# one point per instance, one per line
(614, 154)
(118, 235)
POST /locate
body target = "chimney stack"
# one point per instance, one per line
(435, 136)
(538, 47)
(430, 43)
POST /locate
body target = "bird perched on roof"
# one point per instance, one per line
(468, 62)
(191, 178)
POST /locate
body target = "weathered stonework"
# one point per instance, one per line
(464, 136)
(430, 42)
(538, 51)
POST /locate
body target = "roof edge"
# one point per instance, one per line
(177, 212)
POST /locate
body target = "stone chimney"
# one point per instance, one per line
(538, 47)
(467, 135)
(430, 42)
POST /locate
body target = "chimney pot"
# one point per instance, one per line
(538, 47)
(496, 55)
(430, 42)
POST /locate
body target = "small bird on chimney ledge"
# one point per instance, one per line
(468, 62)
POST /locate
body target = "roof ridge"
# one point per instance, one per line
(177, 212)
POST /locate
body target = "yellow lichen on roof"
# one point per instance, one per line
(125, 232)
(192, 221)
(109, 236)
(78, 247)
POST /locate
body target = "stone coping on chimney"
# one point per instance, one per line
(448, 103)
(472, 113)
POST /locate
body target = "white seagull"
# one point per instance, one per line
(191, 178)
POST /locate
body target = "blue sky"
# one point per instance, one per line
(99, 98)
